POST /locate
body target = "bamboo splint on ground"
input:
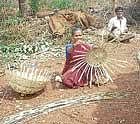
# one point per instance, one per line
(55, 105)
(126, 37)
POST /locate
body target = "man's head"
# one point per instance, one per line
(119, 12)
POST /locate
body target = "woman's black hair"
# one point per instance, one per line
(75, 29)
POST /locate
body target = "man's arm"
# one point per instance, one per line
(125, 26)
(110, 25)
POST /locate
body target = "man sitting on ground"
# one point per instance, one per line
(117, 27)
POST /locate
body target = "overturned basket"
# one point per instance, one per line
(27, 81)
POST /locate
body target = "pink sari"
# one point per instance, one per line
(73, 75)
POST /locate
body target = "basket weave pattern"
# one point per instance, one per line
(26, 85)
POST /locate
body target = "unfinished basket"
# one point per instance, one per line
(97, 56)
(27, 81)
(92, 62)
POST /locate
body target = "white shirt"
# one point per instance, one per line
(120, 24)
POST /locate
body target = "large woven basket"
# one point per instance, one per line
(25, 85)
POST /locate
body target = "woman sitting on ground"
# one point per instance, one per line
(71, 76)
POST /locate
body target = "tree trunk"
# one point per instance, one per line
(114, 6)
(23, 7)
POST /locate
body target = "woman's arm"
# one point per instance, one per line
(69, 48)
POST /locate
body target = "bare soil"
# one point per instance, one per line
(115, 111)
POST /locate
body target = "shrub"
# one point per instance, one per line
(34, 4)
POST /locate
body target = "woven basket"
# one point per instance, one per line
(25, 85)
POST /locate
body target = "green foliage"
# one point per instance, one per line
(12, 30)
(14, 52)
(43, 4)
(34, 5)
(7, 52)
(12, 20)
(61, 4)
(6, 4)
(6, 10)
(67, 4)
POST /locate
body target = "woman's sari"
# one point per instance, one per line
(73, 75)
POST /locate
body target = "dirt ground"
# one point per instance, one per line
(115, 111)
